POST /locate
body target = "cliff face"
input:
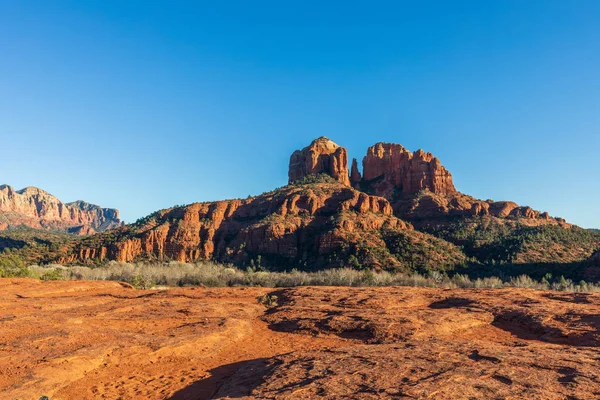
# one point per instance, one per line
(390, 168)
(321, 156)
(35, 208)
(310, 226)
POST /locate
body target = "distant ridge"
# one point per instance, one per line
(35, 208)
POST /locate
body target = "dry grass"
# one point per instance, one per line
(144, 276)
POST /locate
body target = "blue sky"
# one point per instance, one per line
(141, 105)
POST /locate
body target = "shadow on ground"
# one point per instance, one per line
(233, 381)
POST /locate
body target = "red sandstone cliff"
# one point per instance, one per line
(390, 167)
(312, 224)
(35, 208)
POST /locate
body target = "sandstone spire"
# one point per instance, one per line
(321, 156)
(355, 177)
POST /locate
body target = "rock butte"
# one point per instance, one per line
(398, 169)
(417, 184)
(321, 156)
(35, 208)
(313, 224)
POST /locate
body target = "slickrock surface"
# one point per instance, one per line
(90, 340)
(321, 156)
(35, 208)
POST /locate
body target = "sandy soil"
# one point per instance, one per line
(89, 340)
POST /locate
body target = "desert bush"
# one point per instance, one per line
(526, 282)
(12, 266)
(52, 275)
(209, 274)
(267, 300)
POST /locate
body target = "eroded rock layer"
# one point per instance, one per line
(297, 225)
(427, 205)
(417, 184)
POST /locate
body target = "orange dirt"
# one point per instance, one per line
(88, 340)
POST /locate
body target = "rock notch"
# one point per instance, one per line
(321, 156)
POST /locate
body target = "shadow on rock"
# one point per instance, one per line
(452, 302)
(531, 327)
(233, 381)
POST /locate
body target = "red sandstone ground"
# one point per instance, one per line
(88, 340)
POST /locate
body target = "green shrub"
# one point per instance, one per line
(52, 275)
(142, 282)
(12, 266)
(311, 179)
(267, 300)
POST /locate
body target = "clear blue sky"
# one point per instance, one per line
(141, 105)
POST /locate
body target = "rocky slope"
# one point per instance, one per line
(34, 208)
(417, 185)
(308, 226)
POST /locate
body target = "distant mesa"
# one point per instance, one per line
(35, 208)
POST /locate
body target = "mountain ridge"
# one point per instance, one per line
(33, 207)
(407, 217)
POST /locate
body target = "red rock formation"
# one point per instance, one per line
(427, 206)
(355, 177)
(315, 223)
(35, 208)
(321, 156)
(296, 224)
(391, 168)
